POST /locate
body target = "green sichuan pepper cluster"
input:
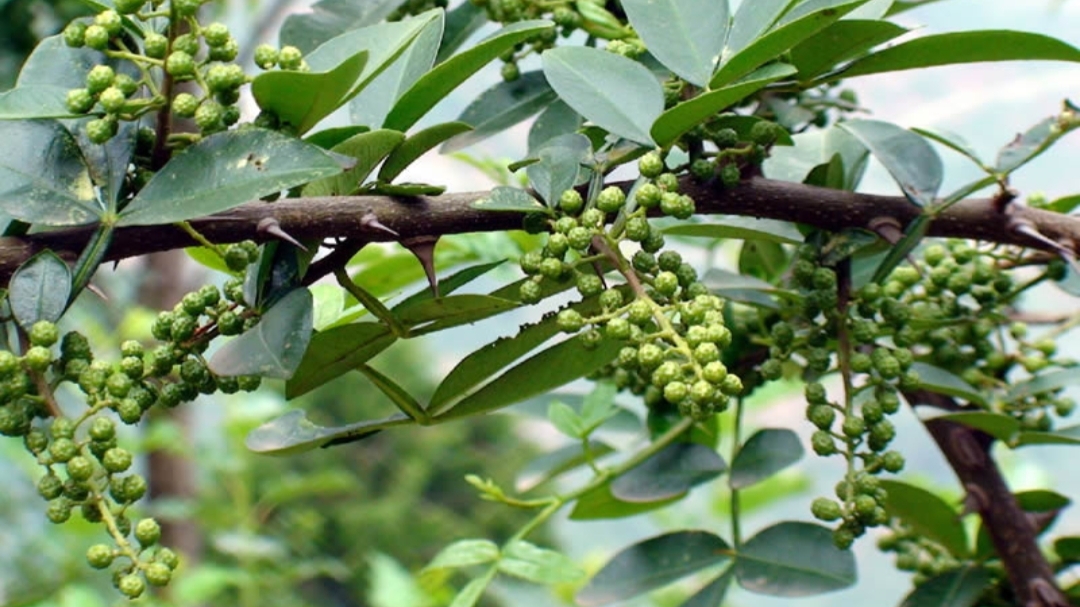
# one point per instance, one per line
(673, 326)
(139, 55)
(85, 468)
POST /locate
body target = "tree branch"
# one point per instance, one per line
(344, 217)
(1010, 528)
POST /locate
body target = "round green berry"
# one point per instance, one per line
(131, 586)
(110, 20)
(116, 460)
(853, 427)
(821, 416)
(823, 443)
(79, 101)
(79, 468)
(62, 427)
(611, 199)
(557, 245)
(611, 299)
(843, 538)
(183, 327)
(618, 328)
(676, 391)
(216, 34)
(765, 133)
(128, 7)
(552, 268)
(158, 574)
(36, 441)
(731, 385)
(101, 130)
(639, 312)
(186, 8)
(96, 37)
(102, 429)
(266, 56)
(289, 58)
(59, 511)
(63, 449)
(726, 138)
(648, 196)
(50, 487)
(155, 46)
(650, 356)
(209, 116)
(589, 285)
(570, 321)
(892, 461)
(564, 224)
(702, 169)
(75, 34)
(571, 202)
(112, 100)
(99, 78)
(651, 165)
(38, 358)
(638, 229)
(510, 71)
(180, 64)
(666, 283)
(100, 556)
(668, 182)
(825, 509)
(579, 238)
(147, 532)
(644, 262)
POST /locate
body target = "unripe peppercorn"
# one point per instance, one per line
(116, 460)
(131, 586)
(570, 321)
(579, 238)
(80, 468)
(826, 509)
(651, 165)
(147, 532)
(179, 64)
(110, 20)
(99, 556)
(611, 199)
(75, 34)
(266, 56)
(96, 37)
(289, 58)
(99, 78)
(589, 285)
(158, 574)
(79, 101)
(823, 443)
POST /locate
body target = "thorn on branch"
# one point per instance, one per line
(1027, 228)
(887, 228)
(270, 226)
(423, 247)
(370, 220)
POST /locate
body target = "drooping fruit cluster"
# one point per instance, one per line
(917, 553)
(85, 469)
(204, 55)
(672, 325)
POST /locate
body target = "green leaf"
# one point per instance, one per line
(960, 587)
(686, 36)
(461, 23)
(712, 595)
(752, 19)
(559, 165)
(1000, 426)
(617, 94)
(1068, 548)
(927, 514)
(470, 594)
(501, 107)
(1025, 147)
(384, 42)
(960, 47)
(742, 288)
(688, 114)
(417, 145)
(372, 104)
(669, 473)
(803, 21)
(464, 553)
(599, 405)
(446, 312)
(226, 170)
(328, 138)
(43, 176)
(566, 420)
(898, 253)
(275, 346)
(532, 563)
(1065, 204)
(401, 398)
(767, 452)
(741, 228)
(369, 149)
(39, 289)
(952, 141)
(910, 160)
(653, 563)
(1069, 435)
(295, 433)
(545, 371)
(840, 42)
(554, 463)
(335, 352)
(108, 163)
(35, 101)
(506, 198)
(793, 559)
(557, 119)
(448, 284)
(439, 82)
(331, 18)
(936, 379)
(601, 504)
(813, 149)
(1047, 382)
(302, 99)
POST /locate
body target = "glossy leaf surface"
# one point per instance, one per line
(275, 346)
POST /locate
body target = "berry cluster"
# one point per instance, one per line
(85, 468)
(673, 326)
(916, 553)
(204, 55)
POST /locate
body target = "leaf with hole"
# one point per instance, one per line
(43, 176)
(275, 346)
(688, 114)
(767, 452)
(295, 433)
(794, 559)
(617, 94)
(433, 86)
(369, 149)
(417, 145)
(960, 47)
(302, 99)
(335, 352)
(501, 107)
(927, 514)
(800, 23)
(911, 161)
(669, 473)
(226, 170)
(653, 563)
(39, 289)
(686, 36)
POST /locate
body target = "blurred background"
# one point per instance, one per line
(350, 525)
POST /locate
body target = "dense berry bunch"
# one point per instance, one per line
(673, 327)
(916, 552)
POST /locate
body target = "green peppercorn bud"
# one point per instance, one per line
(825, 509)
(266, 56)
(147, 532)
(570, 321)
(648, 196)
(158, 574)
(50, 487)
(79, 101)
(99, 78)
(100, 556)
(611, 199)
(80, 468)
(180, 64)
(823, 443)
(96, 37)
(75, 34)
(131, 585)
(289, 58)
(651, 165)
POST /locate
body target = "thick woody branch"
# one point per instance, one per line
(1011, 530)
(350, 217)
